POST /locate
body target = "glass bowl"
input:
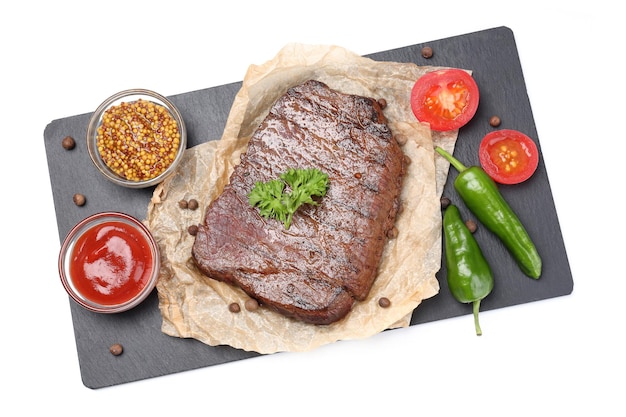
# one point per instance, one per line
(136, 138)
(109, 262)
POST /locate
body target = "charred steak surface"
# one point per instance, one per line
(328, 258)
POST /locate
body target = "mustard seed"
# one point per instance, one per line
(234, 308)
(494, 121)
(183, 204)
(384, 302)
(193, 230)
(138, 140)
(427, 52)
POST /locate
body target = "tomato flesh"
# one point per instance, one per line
(446, 99)
(508, 156)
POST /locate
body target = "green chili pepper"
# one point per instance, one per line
(469, 274)
(481, 195)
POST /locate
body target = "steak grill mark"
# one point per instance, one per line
(328, 258)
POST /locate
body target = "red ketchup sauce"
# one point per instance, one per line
(111, 263)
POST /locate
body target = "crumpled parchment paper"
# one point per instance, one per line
(195, 306)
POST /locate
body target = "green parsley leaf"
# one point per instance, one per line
(277, 201)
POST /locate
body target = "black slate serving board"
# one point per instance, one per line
(490, 54)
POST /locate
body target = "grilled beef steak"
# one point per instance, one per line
(328, 258)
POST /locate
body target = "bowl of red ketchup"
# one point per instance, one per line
(109, 262)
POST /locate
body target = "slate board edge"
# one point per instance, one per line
(89, 382)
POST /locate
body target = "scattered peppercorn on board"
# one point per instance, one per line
(147, 352)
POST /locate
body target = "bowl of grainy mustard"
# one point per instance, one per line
(136, 138)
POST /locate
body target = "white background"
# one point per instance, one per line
(556, 356)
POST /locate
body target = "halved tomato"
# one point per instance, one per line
(508, 156)
(447, 99)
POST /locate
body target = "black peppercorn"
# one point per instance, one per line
(251, 304)
(193, 204)
(116, 349)
(471, 225)
(401, 139)
(68, 143)
(392, 233)
(79, 199)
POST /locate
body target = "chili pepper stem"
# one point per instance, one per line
(476, 308)
(453, 161)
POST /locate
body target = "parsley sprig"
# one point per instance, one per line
(275, 200)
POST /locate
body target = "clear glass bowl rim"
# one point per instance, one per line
(133, 95)
(65, 254)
